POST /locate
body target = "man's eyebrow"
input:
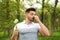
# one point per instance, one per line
(33, 13)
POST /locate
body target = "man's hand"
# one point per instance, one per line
(37, 18)
(15, 34)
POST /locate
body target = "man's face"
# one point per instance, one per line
(30, 15)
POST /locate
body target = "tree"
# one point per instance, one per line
(54, 14)
(18, 9)
(42, 10)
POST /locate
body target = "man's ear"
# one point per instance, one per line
(25, 15)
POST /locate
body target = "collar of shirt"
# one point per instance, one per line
(25, 22)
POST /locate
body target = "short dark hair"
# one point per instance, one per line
(30, 9)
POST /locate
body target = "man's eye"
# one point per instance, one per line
(34, 14)
(31, 13)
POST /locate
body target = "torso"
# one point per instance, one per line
(27, 32)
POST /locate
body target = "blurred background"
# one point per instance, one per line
(12, 12)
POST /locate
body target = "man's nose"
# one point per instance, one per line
(33, 15)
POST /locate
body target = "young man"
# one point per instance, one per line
(28, 30)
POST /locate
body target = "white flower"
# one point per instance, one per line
(16, 20)
(0, 0)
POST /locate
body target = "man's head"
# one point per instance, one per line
(30, 13)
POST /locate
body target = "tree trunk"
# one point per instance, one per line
(54, 15)
(42, 15)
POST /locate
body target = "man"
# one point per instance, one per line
(28, 30)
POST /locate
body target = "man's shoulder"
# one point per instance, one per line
(19, 23)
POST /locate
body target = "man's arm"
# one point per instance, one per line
(15, 34)
(43, 29)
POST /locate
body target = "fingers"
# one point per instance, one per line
(35, 16)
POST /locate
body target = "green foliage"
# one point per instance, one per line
(10, 10)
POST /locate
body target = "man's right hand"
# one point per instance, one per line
(15, 32)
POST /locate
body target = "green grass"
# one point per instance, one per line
(39, 38)
(49, 38)
(54, 36)
(6, 38)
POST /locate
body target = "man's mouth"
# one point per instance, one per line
(33, 18)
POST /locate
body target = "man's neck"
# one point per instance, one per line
(27, 21)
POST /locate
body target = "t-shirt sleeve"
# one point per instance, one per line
(38, 25)
(15, 27)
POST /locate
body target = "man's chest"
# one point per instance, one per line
(27, 28)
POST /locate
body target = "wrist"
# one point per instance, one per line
(39, 21)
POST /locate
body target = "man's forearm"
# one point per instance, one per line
(44, 28)
(14, 37)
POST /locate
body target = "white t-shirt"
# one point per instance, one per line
(27, 32)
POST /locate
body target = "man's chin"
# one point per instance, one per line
(31, 20)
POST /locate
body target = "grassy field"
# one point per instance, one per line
(54, 36)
